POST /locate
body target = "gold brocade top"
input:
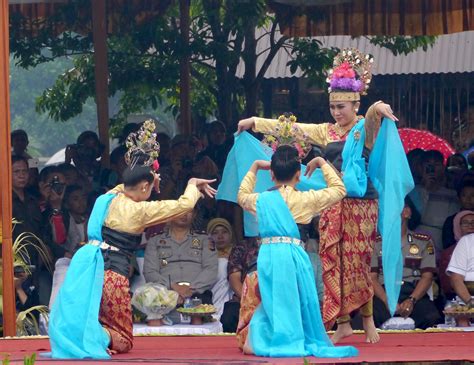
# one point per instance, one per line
(324, 133)
(304, 205)
(127, 215)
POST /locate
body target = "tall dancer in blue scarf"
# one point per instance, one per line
(287, 322)
(369, 154)
(92, 314)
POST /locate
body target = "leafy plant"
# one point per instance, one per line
(29, 360)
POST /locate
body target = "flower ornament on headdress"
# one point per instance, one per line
(350, 76)
(287, 132)
(143, 147)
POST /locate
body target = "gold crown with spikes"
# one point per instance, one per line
(350, 76)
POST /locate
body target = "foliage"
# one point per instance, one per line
(20, 247)
(403, 44)
(28, 360)
(46, 136)
(144, 59)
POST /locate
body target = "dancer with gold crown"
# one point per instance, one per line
(348, 229)
(92, 314)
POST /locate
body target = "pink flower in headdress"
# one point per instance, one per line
(344, 70)
(299, 149)
(156, 165)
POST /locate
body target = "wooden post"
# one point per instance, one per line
(9, 313)
(99, 33)
(185, 72)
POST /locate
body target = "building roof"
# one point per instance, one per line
(451, 53)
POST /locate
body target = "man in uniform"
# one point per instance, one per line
(419, 267)
(182, 260)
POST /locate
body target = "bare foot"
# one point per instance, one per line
(371, 334)
(343, 330)
(247, 349)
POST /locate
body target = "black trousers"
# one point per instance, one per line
(230, 316)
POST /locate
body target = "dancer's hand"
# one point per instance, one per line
(312, 165)
(263, 165)
(245, 124)
(385, 111)
(260, 165)
(204, 186)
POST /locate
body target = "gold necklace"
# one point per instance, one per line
(341, 131)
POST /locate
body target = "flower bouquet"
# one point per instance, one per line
(154, 300)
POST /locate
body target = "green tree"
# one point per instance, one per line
(46, 136)
(144, 60)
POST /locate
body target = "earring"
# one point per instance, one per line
(143, 189)
(356, 110)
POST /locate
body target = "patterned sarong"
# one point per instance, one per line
(347, 236)
(116, 311)
(250, 301)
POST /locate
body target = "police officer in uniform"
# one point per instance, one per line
(182, 260)
(418, 271)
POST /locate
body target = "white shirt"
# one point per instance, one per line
(462, 260)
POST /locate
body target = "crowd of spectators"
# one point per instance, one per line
(204, 254)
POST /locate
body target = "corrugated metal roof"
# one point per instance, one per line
(450, 54)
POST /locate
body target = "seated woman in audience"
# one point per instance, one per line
(222, 239)
(461, 266)
(242, 261)
(461, 228)
(75, 226)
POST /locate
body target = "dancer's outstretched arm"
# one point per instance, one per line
(317, 133)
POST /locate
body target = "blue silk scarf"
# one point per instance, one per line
(74, 328)
(388, 170)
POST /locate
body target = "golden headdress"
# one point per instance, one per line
(350, 76)
(143, 149)
(287, 132)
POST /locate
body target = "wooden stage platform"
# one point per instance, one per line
(422, 347)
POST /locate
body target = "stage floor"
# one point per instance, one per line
(438, 347)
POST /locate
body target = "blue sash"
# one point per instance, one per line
(388, 170)
(74, 328)
(288, 321)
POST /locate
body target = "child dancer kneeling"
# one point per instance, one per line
(280, 315)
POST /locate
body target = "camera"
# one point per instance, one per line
(56, 185)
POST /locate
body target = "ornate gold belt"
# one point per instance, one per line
(282, 239)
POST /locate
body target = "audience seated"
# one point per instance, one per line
(26, 212)
(465, 193)
(222, 238)
(463, 225)
(456, 168)
(419, 267)
(182, 260)
(218, 144)
(461, 270)
(242, 261)
(432, 199)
